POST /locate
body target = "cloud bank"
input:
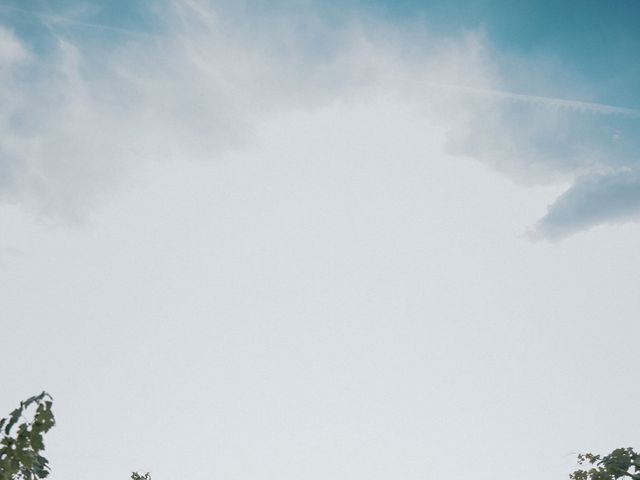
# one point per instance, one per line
(89, 104)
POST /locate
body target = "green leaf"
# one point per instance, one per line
(13, 419)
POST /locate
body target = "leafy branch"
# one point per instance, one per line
(622, 462)
(21, 440)
(137, 476)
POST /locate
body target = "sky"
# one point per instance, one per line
(339, 239)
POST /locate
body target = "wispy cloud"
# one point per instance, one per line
(84, 114)
(54, 20)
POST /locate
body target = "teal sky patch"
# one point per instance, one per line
(587, 41)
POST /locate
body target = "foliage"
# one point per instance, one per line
(21, 440)
(137, 476)
(622, 462)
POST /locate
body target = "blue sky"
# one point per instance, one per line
(321, 239)
(592, 40)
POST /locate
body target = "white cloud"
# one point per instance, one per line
(80, 118)
(11, 49)
(87, 112)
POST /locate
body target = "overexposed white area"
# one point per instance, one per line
(338, 299)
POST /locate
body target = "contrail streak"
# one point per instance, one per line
(575, 105)
(51, 17)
